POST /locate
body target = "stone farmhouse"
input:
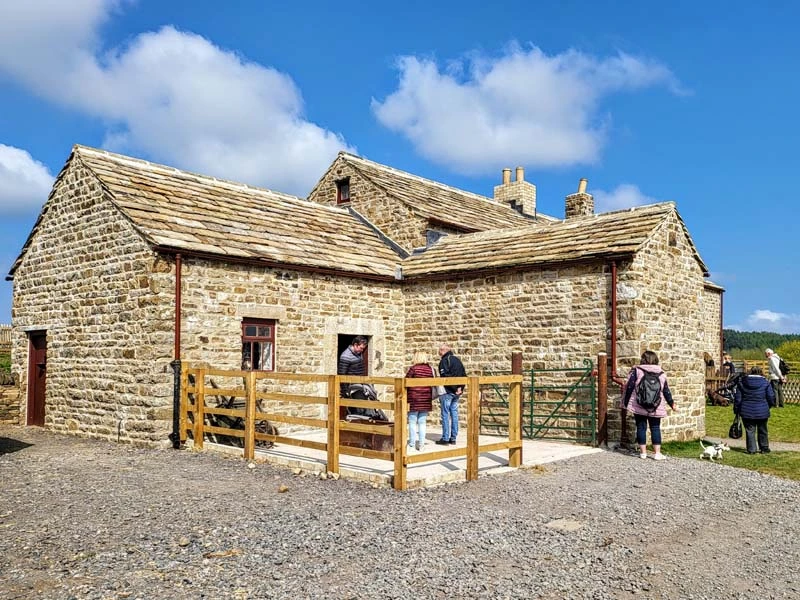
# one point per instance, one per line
(132, 265)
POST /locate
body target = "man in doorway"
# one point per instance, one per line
(776, 378)
(351, 362)
(450, 366)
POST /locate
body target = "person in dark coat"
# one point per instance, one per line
(753, 399)
(420, 401)
(450, 366)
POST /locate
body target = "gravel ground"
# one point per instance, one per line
(90, 519)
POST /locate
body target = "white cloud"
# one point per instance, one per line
(525, 107)
(170, 95)
(24, 182)
(767, 320)
(624, 195)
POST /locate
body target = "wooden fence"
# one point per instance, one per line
(194, 409)
(5, 334)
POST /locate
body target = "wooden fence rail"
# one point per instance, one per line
(194, 409)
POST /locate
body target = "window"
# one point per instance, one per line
(258, 344)
(343, 191)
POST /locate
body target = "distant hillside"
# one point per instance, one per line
(747, 340)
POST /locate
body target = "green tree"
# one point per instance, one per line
(754, 340)
(789, 351)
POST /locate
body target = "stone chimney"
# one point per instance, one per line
(580, 204)
(519, 195)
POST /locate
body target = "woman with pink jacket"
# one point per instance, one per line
(654, 408)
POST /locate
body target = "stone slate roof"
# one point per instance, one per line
(603, 236)
(177, 210)
(433, 200)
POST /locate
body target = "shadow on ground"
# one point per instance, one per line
(9, 445)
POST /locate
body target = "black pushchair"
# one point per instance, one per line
(724, 395)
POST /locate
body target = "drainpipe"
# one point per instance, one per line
(175, 436)
(614, 377)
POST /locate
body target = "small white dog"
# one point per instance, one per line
(713, 452)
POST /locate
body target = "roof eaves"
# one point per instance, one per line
(514, 267)
(211, 256)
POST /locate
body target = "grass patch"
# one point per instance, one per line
(5, 363)
(784, 423)
(781, 464)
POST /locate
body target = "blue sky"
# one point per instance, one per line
(687, 101)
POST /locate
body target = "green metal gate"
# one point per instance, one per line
(557, 404)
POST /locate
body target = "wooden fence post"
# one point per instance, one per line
(602, 399)
(400, 426)
(333, 423)
(515, 411)
(473, 427)
(199, 413)
(250, 417)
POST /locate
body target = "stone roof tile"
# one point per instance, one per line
(196, 213)
(434, 200)
(599, 236)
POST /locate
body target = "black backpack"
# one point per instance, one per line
(783, 367)
(648, 391)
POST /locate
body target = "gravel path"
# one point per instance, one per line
(89, 519)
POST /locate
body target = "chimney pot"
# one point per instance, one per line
(506, 176)
(582, 185)
(520, 174)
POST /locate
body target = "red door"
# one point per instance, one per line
(37, 372)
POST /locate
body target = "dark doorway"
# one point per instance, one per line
(345, 340)
(37, 376)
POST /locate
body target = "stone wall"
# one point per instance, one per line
(660, 307)
(105, 301)
(711, 301)
(310, 310)
(385, 212)
(556, 317)
(10, 400)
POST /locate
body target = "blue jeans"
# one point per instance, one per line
(416, 423)
(641, 429)
(449, 403)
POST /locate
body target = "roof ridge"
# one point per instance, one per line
(349, 156)
(630, 209)
(139, 162)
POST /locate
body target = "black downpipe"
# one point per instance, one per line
(175, 436)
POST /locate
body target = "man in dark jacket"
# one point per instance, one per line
(450, 366)
(754, 396)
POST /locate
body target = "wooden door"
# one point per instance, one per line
(37, 374)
